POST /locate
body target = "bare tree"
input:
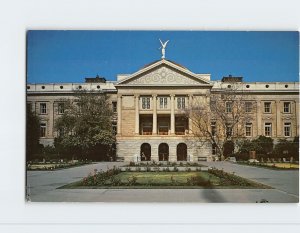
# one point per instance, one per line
(222, 117)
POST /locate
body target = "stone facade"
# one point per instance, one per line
(149, 108)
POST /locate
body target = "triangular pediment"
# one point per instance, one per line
(163, 73)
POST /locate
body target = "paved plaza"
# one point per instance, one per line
(42, 187)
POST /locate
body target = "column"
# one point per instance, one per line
(172, 115)
(119, 106)
(154, 123)
(190, 114)
(137, 115)
(51, 112)
(296, 117)
(258, 118)
(278, 121)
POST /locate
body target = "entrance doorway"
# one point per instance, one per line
(181, 152)
(163, 152)
(145, 152)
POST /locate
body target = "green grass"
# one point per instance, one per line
(164, 180)
(273, 166)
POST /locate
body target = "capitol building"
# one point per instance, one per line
(149, 107)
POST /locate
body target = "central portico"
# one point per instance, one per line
(150, 106)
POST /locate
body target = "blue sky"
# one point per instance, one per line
(70, 56)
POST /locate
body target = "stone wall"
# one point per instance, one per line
(129, 147)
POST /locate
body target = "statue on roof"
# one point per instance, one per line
(163, 48)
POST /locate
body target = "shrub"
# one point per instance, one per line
(132, 181)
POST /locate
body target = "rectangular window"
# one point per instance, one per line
(267, 106)
(180, 102)
(214, 149)
(287, 129)
(43, 130)
(163, 102)
(248, 106)
(248, 129)
(286, 107)
(146, 128)
(61, 108)
(43, 108)
(114, 128)
(163, 128)
(180, 125)
(228, 107)
(114, 107)
(213, 128)
(145, 102)
(268, 129)
(228, 130)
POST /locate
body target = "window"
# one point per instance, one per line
(147, 128)
(43, 130)
(287, 129)
(213, 128)
(180, 125)
(248, 106)
(248, 129)
(214, 149)
(114, 128)
(163, 128)
(145, 102)
(286, 107)
(228, 107)
(180, 102)
(163, 102)
(43, 108)
(228, 130)
(61, 108)
(114, 107)
(268, 129)
(267, 106)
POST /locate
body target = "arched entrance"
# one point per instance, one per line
(163, 152)
(181, 152)
(145, 152)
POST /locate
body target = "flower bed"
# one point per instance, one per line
(116, 178)
(54, 166)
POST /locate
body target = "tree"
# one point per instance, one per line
(32, 134)
(287, 149)
(85, 128)
(263, 145)
(221, 117)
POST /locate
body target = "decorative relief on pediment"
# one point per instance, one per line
(164, 75)
(267, 118)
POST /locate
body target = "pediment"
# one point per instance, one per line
(163, 73)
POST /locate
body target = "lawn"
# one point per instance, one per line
(117, 179)
(283, 165)
(164, 178)
(278, 166)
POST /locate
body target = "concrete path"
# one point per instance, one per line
(44, 184)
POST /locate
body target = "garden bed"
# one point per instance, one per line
(117, 179)
(54, 166)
